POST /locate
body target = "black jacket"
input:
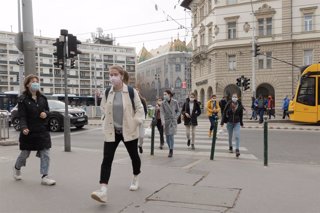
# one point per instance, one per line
(233, 117)
(29, 114)
(194, 114)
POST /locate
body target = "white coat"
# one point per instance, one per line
(131, 119)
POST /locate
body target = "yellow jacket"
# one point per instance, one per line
(212, 110)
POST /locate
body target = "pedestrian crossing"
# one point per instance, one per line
(202, 144)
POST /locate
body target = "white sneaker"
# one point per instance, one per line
(47, 181)
(99, 195)
(134, 184)
(16, 174)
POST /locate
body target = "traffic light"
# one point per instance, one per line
(256, 49)
(239, 82)
(59, 54)
(72, 63)
(246, 84)
(73, 46)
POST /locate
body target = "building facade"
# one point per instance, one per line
(167, 69)
(223, 32)
(90, 75)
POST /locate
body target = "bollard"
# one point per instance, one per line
(152, 139)
(265, 141)
(4, 125)
(214, 137)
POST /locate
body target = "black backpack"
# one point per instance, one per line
(131, 94)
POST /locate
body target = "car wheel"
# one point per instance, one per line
(54, 125)
(16, 124)
(80, 127)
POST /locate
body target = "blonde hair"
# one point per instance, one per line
(118, 68)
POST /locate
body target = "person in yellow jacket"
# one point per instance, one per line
(212, 112)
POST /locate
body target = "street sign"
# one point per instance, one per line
(20, 61)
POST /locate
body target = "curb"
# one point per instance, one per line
(8, 143)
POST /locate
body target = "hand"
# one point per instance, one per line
(187, 115)
(25, 131)
(43, 115)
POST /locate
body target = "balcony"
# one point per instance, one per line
(47, 84)
(46, 74)
(3, 61)
(200, 53)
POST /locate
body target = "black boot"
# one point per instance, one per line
(188, 143)
(237, 153)
(230, 149)
(170, 153)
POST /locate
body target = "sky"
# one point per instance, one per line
(133, 23)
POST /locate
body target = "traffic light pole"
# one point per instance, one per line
(66, 123)
(253, 56)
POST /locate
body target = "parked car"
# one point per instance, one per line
(6, 113)
(78, 117)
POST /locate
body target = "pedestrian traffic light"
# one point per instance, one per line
(73, 46)
(239, 82)
(72, 63)
(256, 49)
(59, 54)
(246, 84)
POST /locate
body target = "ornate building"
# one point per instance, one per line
(222, 35)
(166, 67)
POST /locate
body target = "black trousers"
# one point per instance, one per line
(108, 155)
(160, 129)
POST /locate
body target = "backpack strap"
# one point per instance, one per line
(131, 94)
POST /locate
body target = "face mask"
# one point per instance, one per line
(115, 80)
(35, 86)
(234, 99)
(191, 99)
(166, 97)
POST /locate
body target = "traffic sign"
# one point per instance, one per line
(20, 61)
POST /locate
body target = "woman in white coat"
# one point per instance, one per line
(123, 115)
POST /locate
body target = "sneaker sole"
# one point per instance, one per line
(45, 184)
(96, 198)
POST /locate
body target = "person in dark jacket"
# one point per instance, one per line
(156, 120)
(222, 104)
(233, 115)
(190, 111)
(33, 110)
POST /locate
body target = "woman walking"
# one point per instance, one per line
(233, 115)
(190, 111)
(169, 112)
(212, 112)
(124, 113)
(33, 110)
(157, 121)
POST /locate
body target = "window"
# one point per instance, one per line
(308, 57)
(202, 42)
(209, 5)
(232, 62)
(306, 94)
(178, 67)
(209, 66)
(201, 12)
(264, 61)
(178, 83)
(195, 43)
(232, 29)
(195, 19)
(210, 35)
(265, 26)
(307, 22)
(231, 1)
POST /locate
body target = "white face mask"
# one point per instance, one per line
(115, 80)
(191, 99)
(234, 99)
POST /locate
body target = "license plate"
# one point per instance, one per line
(81, 119)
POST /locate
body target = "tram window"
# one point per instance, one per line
(306, 94)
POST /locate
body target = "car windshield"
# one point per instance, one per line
(56, 104)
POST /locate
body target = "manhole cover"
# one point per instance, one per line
(199, 195)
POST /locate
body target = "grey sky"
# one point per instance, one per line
(82, 17)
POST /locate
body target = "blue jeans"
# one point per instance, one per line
(170, 141)
(261, 113)
(234, 128)
(44, 156)
(212, 119)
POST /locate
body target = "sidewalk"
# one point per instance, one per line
(183, 184)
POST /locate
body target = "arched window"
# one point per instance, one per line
(178, 83)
